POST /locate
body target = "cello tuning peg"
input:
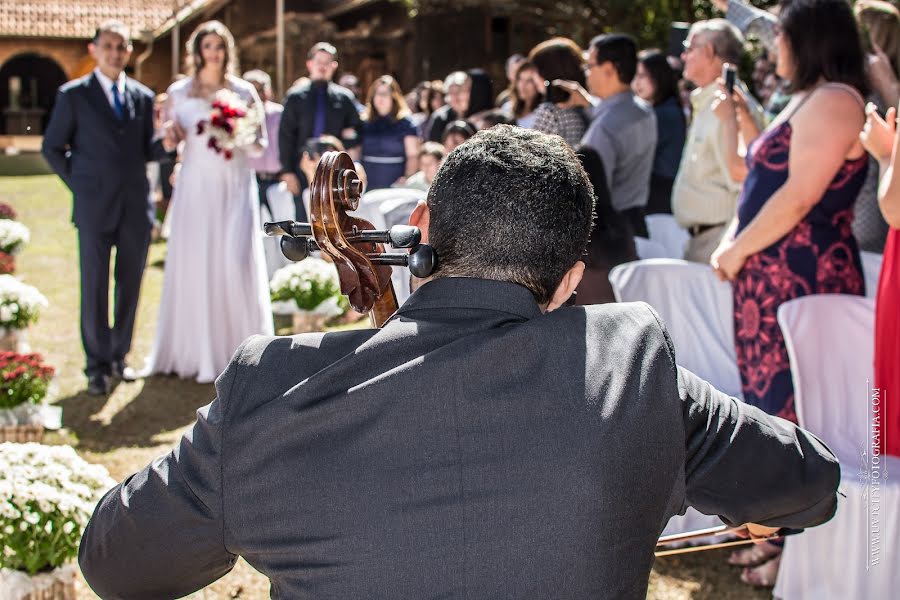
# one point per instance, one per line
(404, 236)
(297, 248)
(422, 261)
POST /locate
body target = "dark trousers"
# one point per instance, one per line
(264, 184)
(635, 217)
(104, 344)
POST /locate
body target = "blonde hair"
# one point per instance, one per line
(195, 63)
(882, 21)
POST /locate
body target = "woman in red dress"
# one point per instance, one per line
(880, 137)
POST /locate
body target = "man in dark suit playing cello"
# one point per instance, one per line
(487, 442)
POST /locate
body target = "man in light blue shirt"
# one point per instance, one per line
(623, 131)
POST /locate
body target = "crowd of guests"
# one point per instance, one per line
(768, 174)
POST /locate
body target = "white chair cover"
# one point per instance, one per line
(665, 230)
(697, 310)
(282, 203)
(396, 211)
(649, 249)
(370, 202)
(830, 342)
(871, 263)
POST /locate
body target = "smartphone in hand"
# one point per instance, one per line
(729, 74)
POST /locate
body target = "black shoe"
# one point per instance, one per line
(99, 385)
(123, 372)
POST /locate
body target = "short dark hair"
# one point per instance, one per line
(825, 43)
(664, 77)
(322, 47)
(558, 58)
(619, 49)
(434, 150)
(511, 204)
(464, 128)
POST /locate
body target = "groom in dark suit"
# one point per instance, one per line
(98, 141)
(488, 442)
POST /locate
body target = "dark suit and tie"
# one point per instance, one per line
(486, 443)
(99, 141)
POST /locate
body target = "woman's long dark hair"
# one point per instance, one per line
(664, 77)
(522, 107)
(825, 43)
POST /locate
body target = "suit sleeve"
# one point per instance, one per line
(59, 134)
(288, 144)
(161, 532)
(151, 148)
(747, 466)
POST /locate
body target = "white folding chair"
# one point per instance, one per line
(665, 230)
(871, 263)
(697, 310)
(370, 202)
(396, 211)
(281, 201)
(830, 343)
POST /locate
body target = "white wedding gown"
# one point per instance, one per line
(215, 290)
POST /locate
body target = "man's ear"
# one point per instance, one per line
(420, 218)
(567, 286)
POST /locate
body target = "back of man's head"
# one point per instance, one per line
(620, 50)
(511, 204)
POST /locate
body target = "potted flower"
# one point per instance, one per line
(24, 413)
(308, 290)
(7, 264)
(13, 236)
(20, 305)
(47, 495)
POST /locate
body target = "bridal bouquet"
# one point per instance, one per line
(20, 304)
(13, 235)
(47, 495)
(232, 124)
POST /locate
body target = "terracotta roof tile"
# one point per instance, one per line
(79, 18)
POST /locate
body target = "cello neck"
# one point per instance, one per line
(384, 307)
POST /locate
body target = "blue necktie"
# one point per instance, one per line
(319, 117)
(117, 103)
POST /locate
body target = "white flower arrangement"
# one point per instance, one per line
(20, 304)
(309, 285)
(13, 236)
(47, 495)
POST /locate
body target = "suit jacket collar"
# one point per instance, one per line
(101, 100)
(468, 292)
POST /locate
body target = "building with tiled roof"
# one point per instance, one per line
(77, 19)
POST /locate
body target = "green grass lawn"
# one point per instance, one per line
(142, 420)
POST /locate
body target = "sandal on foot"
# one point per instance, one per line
(754, 556)
(763, 575)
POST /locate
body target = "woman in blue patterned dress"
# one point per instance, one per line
(792, 236)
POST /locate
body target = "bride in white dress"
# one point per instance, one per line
(215, 290)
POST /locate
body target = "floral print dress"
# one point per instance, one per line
(818, 256)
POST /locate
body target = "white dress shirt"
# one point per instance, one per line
(106, 83)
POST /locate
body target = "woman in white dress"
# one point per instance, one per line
(215, 291)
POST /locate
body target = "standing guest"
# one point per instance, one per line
(313, 109)
(431, 155)
(215, 290)
(880, 137)
(511, 67)
(656, 82)
(792, 235)
(430, 98)
(268, 165)
(612, 240)
(99, 140)
(558, 59)
(623, 131)
(458, 88)
(390, 146)
(524, 95)
(456, 133)
(709, 178)
(351, 82)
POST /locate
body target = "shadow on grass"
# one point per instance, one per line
(718, 580)
(162, 405)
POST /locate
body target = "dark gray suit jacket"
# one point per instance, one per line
(472, 448)
(102, 159)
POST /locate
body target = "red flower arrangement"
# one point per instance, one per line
(7, 264)
(231, 125)
(7, 211)
(23, 378)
